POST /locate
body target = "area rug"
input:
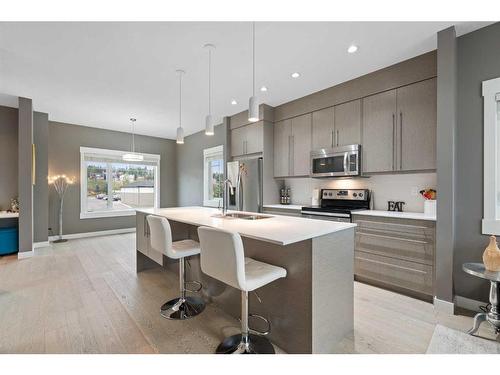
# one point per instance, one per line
(450, 341)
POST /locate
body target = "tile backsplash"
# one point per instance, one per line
(396, 187)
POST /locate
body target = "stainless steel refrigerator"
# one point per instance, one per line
(246, 178)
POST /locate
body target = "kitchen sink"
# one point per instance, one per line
(236, 215)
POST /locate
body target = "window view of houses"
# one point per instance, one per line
(118, 186)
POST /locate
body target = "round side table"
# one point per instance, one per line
(493, 315)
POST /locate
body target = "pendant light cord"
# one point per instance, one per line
(133, 137)
(253, 58)
(180, 99)
(209, 81)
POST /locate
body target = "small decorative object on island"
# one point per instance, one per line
(14, 205)
(430, 201)
(491, 255)
(61, 184)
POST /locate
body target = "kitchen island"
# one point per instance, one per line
(311, 310)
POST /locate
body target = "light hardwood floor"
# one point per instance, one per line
(84, 296)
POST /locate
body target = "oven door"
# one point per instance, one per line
(341, 162)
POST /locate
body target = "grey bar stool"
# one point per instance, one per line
(222, 257)
(183, 307)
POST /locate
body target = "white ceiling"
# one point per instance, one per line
(100, 74)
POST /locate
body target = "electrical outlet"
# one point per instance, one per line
(414, 190)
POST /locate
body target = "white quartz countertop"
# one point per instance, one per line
(294, 207)
(399, 215)
(281, 230)
(8, 215)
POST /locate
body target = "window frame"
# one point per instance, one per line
(84, 214)
(209, 152)
(491, 178)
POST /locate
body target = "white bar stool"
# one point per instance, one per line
(223, 258)
(183, 307)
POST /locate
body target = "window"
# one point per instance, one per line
(111, 186)
(491, 215)
(213, 175)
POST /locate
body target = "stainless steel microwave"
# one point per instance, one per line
(344, 161)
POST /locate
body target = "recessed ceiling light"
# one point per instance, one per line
(296, 75)
(352, 48)
(234, 102)
(263, 89)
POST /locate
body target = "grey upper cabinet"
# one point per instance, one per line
(417, 120)
(323, 125)
(292, 146)
(301, 145)
(248, 139)
(282, 138)
(379, 132)
(238, 141)
(254, 138)
(348, 123)
(399, 129)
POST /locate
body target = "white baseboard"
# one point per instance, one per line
(93, 234)
(444, 306)
(37, 245)
(469, 304)
(25, 254)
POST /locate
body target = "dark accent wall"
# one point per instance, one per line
(190, 164)
(8, 156)
(446, 162)
(41, 187)
(64, 158)
(478, 60)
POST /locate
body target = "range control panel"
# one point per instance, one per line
(345, 194)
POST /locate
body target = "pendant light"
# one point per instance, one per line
(180, 130)
(253, 106)
(209, 124)
(133, 156)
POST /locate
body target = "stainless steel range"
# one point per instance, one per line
(337, 204)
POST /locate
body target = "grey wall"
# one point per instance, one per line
(64, 158)
(41, 187)
(24, 175)
(8, 156)
(478, 60)
(190, 164)
(446, 162)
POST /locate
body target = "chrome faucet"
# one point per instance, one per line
(225, 185)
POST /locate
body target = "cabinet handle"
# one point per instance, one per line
(337, 137)
(292, 163)
(333, 138)
(391, 237)
(289, 153)
(393, 140)
(400, 140)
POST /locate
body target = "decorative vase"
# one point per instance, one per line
(491, 255)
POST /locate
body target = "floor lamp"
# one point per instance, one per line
(61, 184)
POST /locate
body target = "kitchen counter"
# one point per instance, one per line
(294, 207)
(311, 310)
(396, 215)
(8, 215)
(281, 230)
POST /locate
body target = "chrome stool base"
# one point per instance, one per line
(182, 308)
(255, 345)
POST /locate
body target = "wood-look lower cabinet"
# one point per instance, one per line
(292, 146)
(397, 253)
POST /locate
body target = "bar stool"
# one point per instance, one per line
(222, 257)
(183, 307)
